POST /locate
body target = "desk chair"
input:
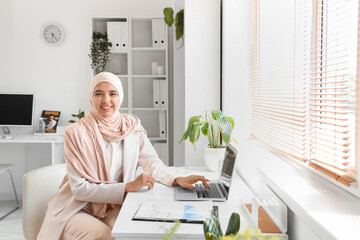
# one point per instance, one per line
(39, 186)
(6, 168)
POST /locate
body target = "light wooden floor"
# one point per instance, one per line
(11, 225)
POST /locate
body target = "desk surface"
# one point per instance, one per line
(125, 228)
(31, 138)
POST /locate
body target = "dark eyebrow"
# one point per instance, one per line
(112, 91)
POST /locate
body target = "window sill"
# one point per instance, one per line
(329, 211)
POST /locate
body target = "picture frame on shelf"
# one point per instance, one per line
(48, 122)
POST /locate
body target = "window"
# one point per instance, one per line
(304, 82)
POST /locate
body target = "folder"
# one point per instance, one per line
(124, 36)
(163, 94)
(156, 93)
(162, 124)
(165, 211)
(155, 32)
(162, 32)
(113, 32)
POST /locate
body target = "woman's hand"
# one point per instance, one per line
(187, 182)
(139, 182)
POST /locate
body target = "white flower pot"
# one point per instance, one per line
(213, 158)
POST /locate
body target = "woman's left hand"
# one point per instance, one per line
(187, 182)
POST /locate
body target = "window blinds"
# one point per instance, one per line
(279, 86)
(332, 92)
(303, 81)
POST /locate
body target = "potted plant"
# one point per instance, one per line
(217, 127)
(80, 115)
(99, 51)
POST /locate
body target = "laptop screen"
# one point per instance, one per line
(228, 166)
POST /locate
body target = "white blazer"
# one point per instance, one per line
(64, 204)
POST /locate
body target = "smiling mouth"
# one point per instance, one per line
(106, 108)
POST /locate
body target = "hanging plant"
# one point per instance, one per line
(179, 21)
(99, 51)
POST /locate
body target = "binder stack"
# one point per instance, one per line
(160, 97)
(158, 32)
(118, 35)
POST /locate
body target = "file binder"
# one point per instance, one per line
(162, 123)
(156, 93)
(158, 32)
(113, 32)
(162, 32)
(155, 32)
(163, 94)
(124, 37)
(118, 35)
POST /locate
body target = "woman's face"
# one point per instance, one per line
(105, 99)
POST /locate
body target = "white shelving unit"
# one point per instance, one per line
(137, 78)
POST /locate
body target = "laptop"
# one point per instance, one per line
(219, 190)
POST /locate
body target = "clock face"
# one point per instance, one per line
(52, 34)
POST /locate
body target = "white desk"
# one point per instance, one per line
(56, 144)
(125, 228)
(26, 153)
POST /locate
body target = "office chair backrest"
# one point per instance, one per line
(38, 186)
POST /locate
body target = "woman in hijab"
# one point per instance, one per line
(102, 152)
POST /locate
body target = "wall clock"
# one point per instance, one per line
(52, 34)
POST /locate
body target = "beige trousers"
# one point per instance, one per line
(85, 226)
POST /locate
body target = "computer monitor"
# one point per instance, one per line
(16, 110)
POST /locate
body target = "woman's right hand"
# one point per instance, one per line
(141, 181)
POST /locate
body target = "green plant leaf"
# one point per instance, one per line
(226, 124)
(211, 230)
(231, 120)
(179, 24)
(169, 16)
(205, 128)
(210, 236)
(216, 220)
(234, 224)
(191, 129)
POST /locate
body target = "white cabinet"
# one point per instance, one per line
(132, 56)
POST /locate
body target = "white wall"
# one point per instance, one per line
(202, 67)
(59, 76)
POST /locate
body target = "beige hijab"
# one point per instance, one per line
(84, 145)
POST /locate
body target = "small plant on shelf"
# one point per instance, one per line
(80, 115)
(99, 51)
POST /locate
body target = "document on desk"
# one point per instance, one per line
(184, 212)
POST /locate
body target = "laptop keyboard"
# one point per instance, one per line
(213, 192)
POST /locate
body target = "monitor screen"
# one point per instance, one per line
(16, 109)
